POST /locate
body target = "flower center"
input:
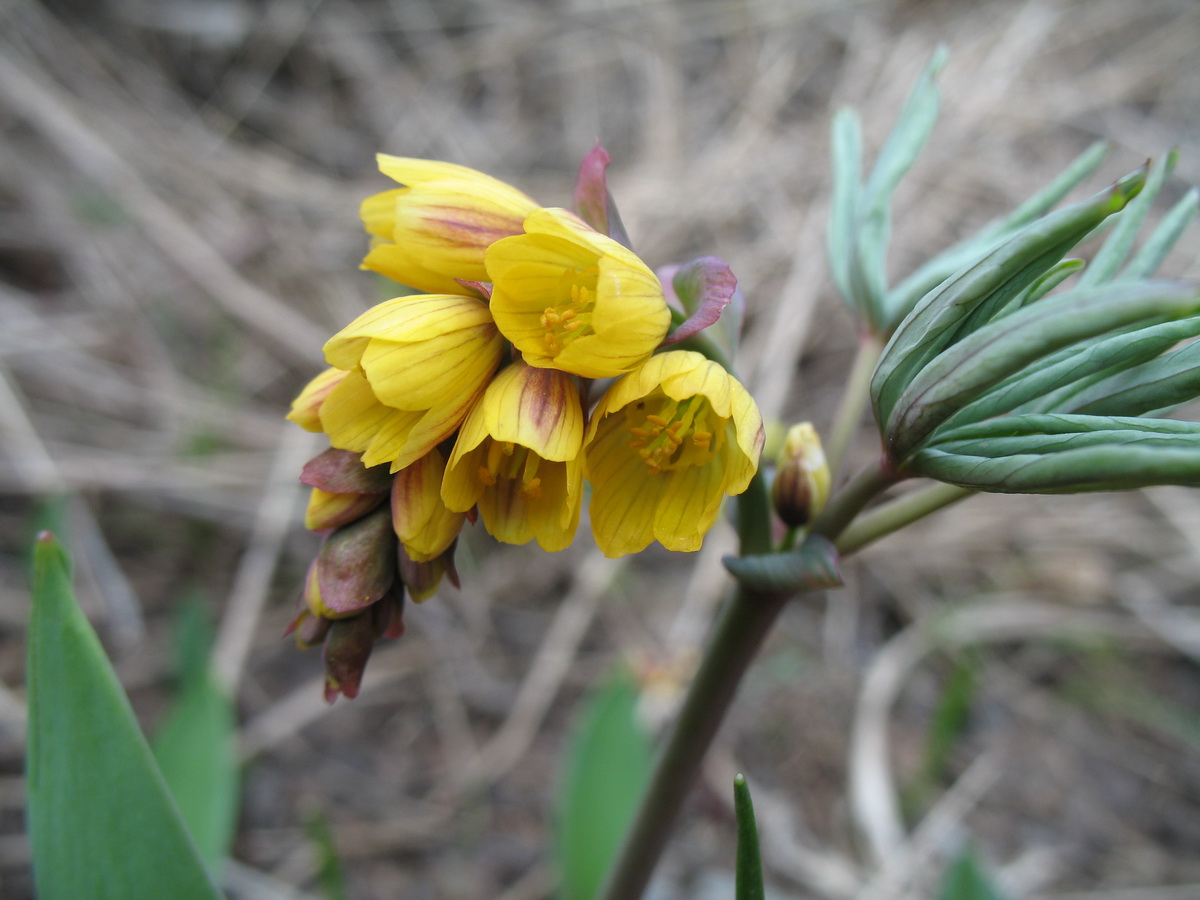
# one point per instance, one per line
(507, 461)
(571, 316)
(678, 435)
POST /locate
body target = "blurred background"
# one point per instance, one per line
(179, 186)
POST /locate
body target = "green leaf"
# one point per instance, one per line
(101, 821)
(196, 747)
(846, 150)
(1005, 346)
(1115, 249)
(607, 768)
(905, 295)
(1054, 381)
(749, 860)
(972, 297)
(1163, 383)
(814, 565)
(1156, 247)
(904, 143)
(1064, 454)
(966, 879)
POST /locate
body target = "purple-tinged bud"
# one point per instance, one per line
(802, 479)
(421, 578)
(356, 565)
(347, 649)
(389, 614)
(308, 630)
(342, 472)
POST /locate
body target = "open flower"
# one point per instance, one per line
(666, 444)
(414, 367)
(570, 298)
(518, 458)
(435, 229)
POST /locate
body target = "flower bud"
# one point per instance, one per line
(802, 479)
(347, 649)
(326, 510)
(356, 565)
(422, 577)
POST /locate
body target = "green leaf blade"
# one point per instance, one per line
(749, 875)
(608, 766)
(968, 300)
(101, 821)
(987, 357)
(814, 565)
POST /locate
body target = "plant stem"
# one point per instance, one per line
(854, 400)
(739, 633)
(895, 515)
(849, 501)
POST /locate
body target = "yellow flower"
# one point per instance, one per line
(414, 367)
(666, 444)
(420, 519)
(436, 228)
(306, 407)
(518, 458)
(570, 298)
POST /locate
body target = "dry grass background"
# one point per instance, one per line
(179, 182)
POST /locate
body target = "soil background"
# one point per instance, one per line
(179, 186)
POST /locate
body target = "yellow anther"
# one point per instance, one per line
(657, 420)
(532, 488)
(485, 476)
(639, 432)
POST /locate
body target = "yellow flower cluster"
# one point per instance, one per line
(472, 400)
(526, 306)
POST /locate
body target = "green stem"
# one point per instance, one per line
(853, 402)
(895, 515)
(850, 500)
(740, 631)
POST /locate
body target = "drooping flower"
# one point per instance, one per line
(436, 227)
(414, 367)
(306, 408)
(570, 298)
(666, 444)
(420, 519)
(518, 458)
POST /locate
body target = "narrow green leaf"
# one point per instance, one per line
(101, 821)
(1163, 383)
(901, 149)
(749, 875)
(971, 298)
(993, 353)
(814, 565)
(966, 879)
(1116, 247)
(846, 150)
(1053, 382)
(905, 295)
(196, 748)
(607, 768)
(1064, 454)
(1151, 254)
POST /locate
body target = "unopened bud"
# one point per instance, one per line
(802, 479)
(356, 565)
(309, 630)
(347, 649)
(342, 472)
(421, 578)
